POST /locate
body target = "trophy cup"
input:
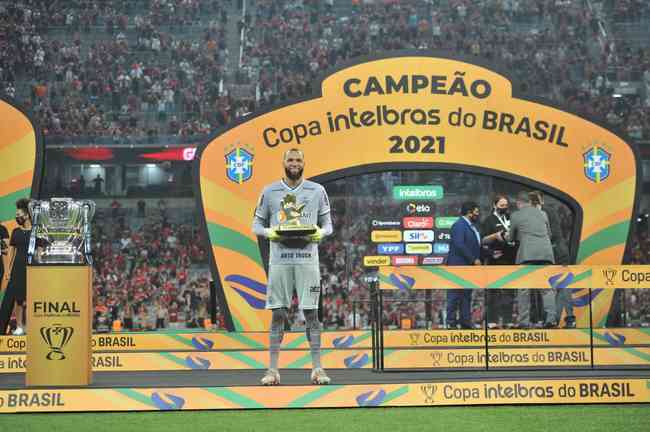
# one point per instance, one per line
(61, 227)
(290, 214)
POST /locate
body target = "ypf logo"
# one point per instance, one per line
(610, 275)
(56, 337)
(429, 393)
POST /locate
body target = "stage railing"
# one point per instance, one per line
(588, 332)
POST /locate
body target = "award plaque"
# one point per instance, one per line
(290, 215)
(61, 228)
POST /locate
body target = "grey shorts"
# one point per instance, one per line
(283, 279)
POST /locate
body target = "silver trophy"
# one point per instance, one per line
(61, 230)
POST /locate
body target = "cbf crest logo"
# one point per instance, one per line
(597, 164)
(239, 163)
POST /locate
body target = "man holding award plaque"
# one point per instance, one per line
(294, 214)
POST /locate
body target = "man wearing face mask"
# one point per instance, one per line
(4, 234)
(17, 286)
(464, 249)
(499, 302)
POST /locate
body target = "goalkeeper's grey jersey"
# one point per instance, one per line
(307, 203)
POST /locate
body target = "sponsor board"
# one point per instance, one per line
(182, 360)
(210, 341)
(424, 236)
(418, 222)
(433, 260)
(390, 248)
(495, 358)
(445, 222)
(418, 192)
(466, 354)
(404, 260)
(385, 223)
(419, 248)
(477, 338)
(386, 236)
(436, 393)
(632, 276)
(201, 341)
(376, 260)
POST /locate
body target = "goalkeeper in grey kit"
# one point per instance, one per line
(293, 261)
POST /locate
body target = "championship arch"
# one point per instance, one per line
(414, 111)
(21, 156)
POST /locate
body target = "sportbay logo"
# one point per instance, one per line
(390, 248)
(418, 222)
(412, 208)
(424, 236)
(404, 260)
(378, 223)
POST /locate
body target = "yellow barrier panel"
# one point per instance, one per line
(59, 312)
(514, 277)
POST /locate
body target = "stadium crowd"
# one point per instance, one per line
(150, 69)
(150, 273)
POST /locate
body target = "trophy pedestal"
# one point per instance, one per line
(59, 324)
(296, 230)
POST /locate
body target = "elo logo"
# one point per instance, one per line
(390, 248)
(412, 208)
(418, 236)
(441, 248)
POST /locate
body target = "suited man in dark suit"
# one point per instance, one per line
(465, 249)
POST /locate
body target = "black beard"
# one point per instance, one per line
(292, 177)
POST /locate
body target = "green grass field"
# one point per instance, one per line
(580, 418)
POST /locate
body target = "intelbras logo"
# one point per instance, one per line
(418, 192)
(55, 309)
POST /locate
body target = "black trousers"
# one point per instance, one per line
(6, 308)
